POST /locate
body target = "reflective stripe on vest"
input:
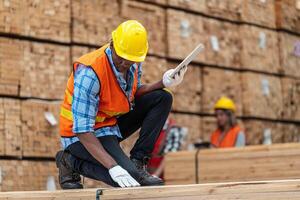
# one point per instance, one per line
(68, 115)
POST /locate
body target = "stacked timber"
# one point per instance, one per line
(291, 97)
(218, 83)
(288, 15)
(261, 95)
(263, 162)
(11, 55)
(153, 69)
(10, 127)
(93, 21)
(289, 52)
(40, 134)
(50, 20)
(260, 12)
(45, 70)
(259, 49)
(27, 175)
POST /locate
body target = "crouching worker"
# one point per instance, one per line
(104, 104)
(228, 133)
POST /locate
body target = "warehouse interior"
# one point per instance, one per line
(251, 55)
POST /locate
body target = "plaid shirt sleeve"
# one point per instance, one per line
(85, 100)
(140, 69)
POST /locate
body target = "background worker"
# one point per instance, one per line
(104, 104)
(228, 133)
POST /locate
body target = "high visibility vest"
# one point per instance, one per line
(228, 140)
(112, 99)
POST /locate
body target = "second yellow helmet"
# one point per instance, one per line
(226, 104)
(130, 41)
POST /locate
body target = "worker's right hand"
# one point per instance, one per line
(122, 177)
(170, 81)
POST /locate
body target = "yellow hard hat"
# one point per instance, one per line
(130, 41)
(225, 103)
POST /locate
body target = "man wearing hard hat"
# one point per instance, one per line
(228, 133)
(105, 102)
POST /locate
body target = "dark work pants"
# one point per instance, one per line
(150, 113)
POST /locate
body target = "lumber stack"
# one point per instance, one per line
(288, 15)
(278, 189)
(234, 164)
(26, 175)
(40, 138)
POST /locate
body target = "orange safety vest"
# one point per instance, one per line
(113, 100)
(229, 139)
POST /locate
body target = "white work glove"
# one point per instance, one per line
(169, 81)
(121, 176)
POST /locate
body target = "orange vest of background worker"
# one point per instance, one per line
(113, 101)
(228, 133)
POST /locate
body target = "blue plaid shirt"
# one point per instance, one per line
(86, 99)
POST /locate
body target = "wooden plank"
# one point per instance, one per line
(288, 15)
(218, 83)
(233, 190)
(261, 95)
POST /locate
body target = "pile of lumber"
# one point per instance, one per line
(279, 189)
(233, 164)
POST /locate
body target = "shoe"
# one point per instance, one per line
(146, 179)
(68, 179)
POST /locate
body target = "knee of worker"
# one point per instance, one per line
(166, 97)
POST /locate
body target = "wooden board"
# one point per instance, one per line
(291, 97)
(289, 52)
(261, 12)
(180, 168)
(153, 19)
(260, 49)
(26, 175)
(291, 132)
(278, 189)
(255, 130)
(46, 20)
(96, 21)
(11, 54)
(39, 137)
(78, 51)
(288, 15)
(196, 5)
(192, 123)
(47, 70)
(249, 163)
(221, 39)
(261, 95)
(10, 127)
(218, 83)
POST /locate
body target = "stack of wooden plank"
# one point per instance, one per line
(269, 162)
(50, 20)
(291, 96)
(277, 189)
(218, 83)
(288, 15)
(45, 70)
(10, 127)
(40, 138)
(26, 175)
(262, 95)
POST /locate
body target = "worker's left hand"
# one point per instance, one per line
(169, 81)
